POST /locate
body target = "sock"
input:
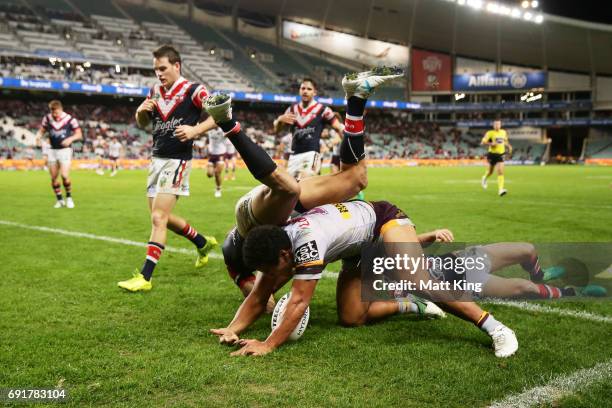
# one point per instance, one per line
(500, 182)
(68, 188)
(406, 306)
(549, 292)
(259, 163)
(533, 267)
(487, 323)
(355, 106)
(57, 190)
(154, 251)
(194, 236)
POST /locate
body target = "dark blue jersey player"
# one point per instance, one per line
(307, 120)
(63, 130)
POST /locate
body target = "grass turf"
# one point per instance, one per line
(64, 321)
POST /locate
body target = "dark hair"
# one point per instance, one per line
(169, 52)
(312, 81)
(263, 244)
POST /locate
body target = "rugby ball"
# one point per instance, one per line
(279, 311)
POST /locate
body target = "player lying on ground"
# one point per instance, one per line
(174, 107)
(280, 193)
(502, 255)
(63, 131)
(325, 234)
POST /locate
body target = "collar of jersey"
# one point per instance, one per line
(174, 89)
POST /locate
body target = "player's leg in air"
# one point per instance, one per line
(273, 202)
(215, 168)
(401, 238)
(503, 255)
(64, 167)
(54, 169)
(163, 195)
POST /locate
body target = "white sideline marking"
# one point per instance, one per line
(557, 388)
(533, 307)
(100, 238)
(326, 274)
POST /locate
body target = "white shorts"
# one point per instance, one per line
(481, 270)
(304, 164)
(245, 220)
(63, 156)
(168, 176)
(99, 152)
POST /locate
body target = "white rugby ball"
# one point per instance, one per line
(279, 312)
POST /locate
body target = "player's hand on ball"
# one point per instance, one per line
(444, 235)
(226, 336)
(252, 348)
(185, 133)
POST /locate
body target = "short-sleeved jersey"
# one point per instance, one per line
(498, 138)
(114, 149)
(180, 105)
(60, 129)
(328, 233)
(216, 141)
(308, 126)
(229, 147)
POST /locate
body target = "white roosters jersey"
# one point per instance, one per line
(114, 149)
(229, 147)
(328, 233)
(216, 141)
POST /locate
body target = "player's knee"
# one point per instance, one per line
(66, 180)
(159, 218)
(529, 250)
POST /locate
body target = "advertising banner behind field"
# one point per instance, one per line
(370, 52)
(499, 81)
(431, 71)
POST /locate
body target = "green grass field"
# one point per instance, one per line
(63, 321)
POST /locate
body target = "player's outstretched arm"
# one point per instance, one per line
(249, 311)
(185, 133)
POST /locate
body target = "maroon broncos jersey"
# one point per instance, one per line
(180, 105)
(308, 126)
(60, 129)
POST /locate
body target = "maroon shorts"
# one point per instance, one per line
(215, 158)
(229, 156)
(387, 215)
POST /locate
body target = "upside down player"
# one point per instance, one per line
(325, 234)
(307, 120)
(63, 130)
(497, 141)
(174, 107)
(275, 200)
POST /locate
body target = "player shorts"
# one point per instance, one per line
(471, 264)
(245, 219)
(494, 158)
(304, 164)
(388, 216)
(63, 156)
(215, 158)
(168, 176)
(99, 152)
(229, 156)
(335, 160)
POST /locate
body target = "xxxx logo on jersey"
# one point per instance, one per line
(344, 212)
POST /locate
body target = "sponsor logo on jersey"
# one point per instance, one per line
(344, 212)
(307, 252)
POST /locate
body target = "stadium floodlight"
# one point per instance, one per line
(212, 51)
(525, 4)
(539, 19)
(527, 16)
(459, 96)
(516, 13)
(492, 7)
(461, 2)
(535, 4)
(477, 4)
